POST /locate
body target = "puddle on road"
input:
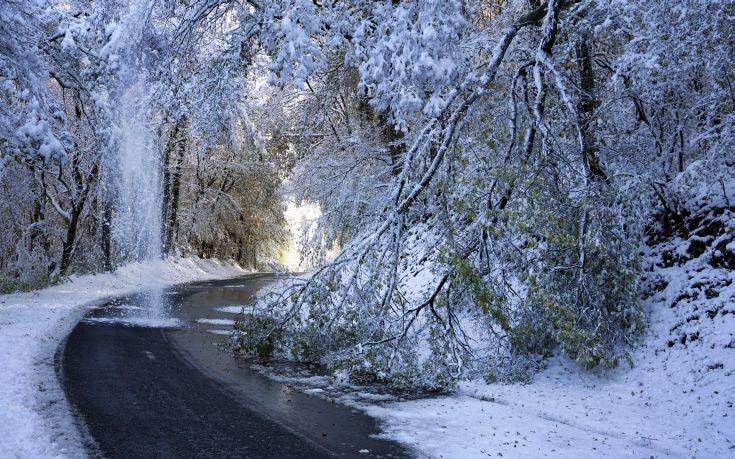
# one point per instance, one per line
(127, 321)
(198, 331)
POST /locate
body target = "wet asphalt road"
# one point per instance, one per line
(172, 392)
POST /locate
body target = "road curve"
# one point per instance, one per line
(172, 392)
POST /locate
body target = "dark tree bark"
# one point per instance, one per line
(395, 141)
(69, 242)
(586, 109)
(107, 236)
(175, 193)
(166, 182)
(84, 187)
(172, 183)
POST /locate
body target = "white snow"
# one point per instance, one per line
(35, 420)
(661, 407)
(229, 309)
(676, 401)
(314, 391)
(375, 397)
(216, 321)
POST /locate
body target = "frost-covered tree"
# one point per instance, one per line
(532, 136)
(70, 73)
(52, 123)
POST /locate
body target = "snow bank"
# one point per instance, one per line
(35, 419)
(677, 399)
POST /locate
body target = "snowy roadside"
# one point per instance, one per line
(669, 404)
(677, 400)
(645, 412)
(35, 419)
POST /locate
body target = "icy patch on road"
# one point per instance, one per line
(216, 322)
(214, 331)
(127, 307)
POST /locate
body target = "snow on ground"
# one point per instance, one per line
(35, 419)
(230, 309)
(216, 321)
(675, 401)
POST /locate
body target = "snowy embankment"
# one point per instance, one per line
(35, 419)
(676, 400)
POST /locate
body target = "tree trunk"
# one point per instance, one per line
(85, 186)
(175, 193)
(107, 236)
(172, 183)
(166, 182)
(586, 108)
(69, 243)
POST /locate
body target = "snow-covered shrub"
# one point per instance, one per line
(249, 333)
(585, 292)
